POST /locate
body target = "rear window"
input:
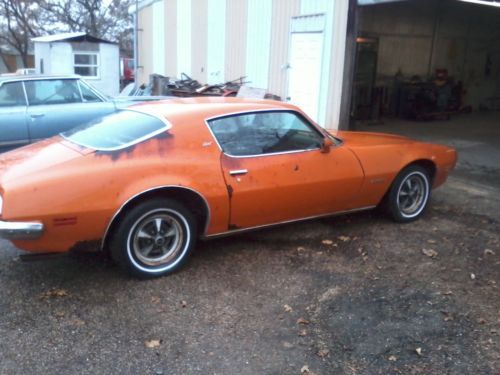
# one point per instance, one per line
(117, 130)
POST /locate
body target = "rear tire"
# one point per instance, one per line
(409, 194)
(154, 238)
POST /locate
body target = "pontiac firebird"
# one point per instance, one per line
(146, 182)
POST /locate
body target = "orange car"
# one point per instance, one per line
(146, 182)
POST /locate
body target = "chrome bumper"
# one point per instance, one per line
(12, 230)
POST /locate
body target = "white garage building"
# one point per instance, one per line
(292, 48)
(340, 60)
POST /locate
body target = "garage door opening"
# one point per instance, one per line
(430, 69)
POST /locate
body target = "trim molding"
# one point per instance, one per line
(243, 230)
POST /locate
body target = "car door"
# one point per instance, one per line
(13, 122)
(57, 105)
(276, 169)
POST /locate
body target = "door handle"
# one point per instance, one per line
(237, 172)
(37, 115)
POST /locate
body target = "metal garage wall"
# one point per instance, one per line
(258, 42)
(282, 12)
(170, 48)
(199, 18)
(158, 38)
(145, 44)
(184, 36)
(216, 43)
(236, 38)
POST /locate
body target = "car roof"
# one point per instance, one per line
(179, 109)
(29, 77)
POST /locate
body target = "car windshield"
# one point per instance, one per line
(117, 130)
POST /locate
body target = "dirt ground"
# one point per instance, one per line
(356, 294)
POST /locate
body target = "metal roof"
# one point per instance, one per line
(70, 37)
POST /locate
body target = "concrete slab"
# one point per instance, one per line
(476, 136)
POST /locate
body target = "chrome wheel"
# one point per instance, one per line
(153, 238)
(157, 238)
(412, 194)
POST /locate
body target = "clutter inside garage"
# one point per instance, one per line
(426, 60)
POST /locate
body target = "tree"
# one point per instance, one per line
(22, 20)
(19, 22)
(103, 19)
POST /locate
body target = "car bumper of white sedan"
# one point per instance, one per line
(12, 230)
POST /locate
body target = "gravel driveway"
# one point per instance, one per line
(356, 294)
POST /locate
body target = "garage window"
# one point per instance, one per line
(86, 64)
(263, 133)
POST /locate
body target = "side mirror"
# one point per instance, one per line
(326, 145)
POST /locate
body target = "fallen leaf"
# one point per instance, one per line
(448, 318)
(419, 351)
(481, 321)
(323, 353)
(327, 242)
(305, 369)
(430, 253)
(302, 321)
(287, 345)
(287, 308)
(155, 300)
(77, 322)
(151, 344)
(344, 238)
(431, 241)
(55, 293)
(489, 252)
(472, 276)
(183, 303)
(392, 358)
(59, 314)
(302, 332)
(300, 248)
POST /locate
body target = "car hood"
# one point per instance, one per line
(360, 139)
(20, 164)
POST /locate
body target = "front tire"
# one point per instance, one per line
(409, 194)
(154, 238)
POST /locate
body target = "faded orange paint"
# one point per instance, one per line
(75, 192)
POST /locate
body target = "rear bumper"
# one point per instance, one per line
(12, 230)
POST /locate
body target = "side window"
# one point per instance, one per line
(12, 95)
(59, 91)
(264, 133)
(88, 95)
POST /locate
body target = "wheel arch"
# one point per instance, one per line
(427, 164)
(192, 199)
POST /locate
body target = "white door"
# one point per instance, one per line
(305, 71)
